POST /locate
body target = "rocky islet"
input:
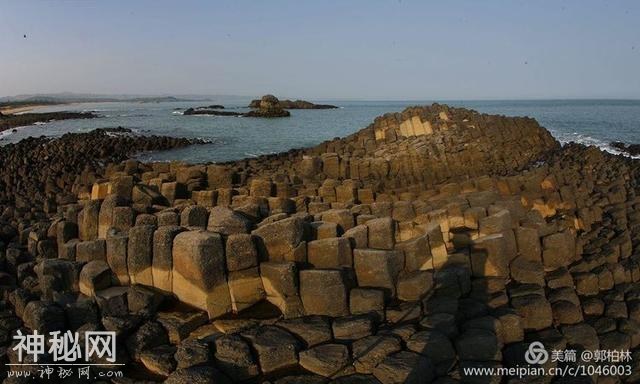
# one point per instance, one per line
(432, 240)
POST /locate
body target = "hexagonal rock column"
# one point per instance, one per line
(194, 216)
(381, 233)
(324, 292)
(106, 215)
(88, 220)
(117, 256)
(245, 288)
(226, 221)
(95, 275)
(378, 268)
(282, 240)
(162, 264)
(140, 254)
(199, 272)
(489, 256)
(280, 281)
(276, 348)
(330, 253)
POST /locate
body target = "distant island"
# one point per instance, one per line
(267, 106)
(297, 104)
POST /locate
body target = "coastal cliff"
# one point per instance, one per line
(432, 240)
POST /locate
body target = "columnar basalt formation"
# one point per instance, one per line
(433, 240)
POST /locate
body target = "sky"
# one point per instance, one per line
(375, 50)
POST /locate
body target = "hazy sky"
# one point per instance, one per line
(323, 49)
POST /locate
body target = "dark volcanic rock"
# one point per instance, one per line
(40, 170)
(209, 111)
(10, 121)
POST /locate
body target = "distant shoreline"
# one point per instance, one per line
(10, 109)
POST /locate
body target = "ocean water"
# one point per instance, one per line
(591, 122)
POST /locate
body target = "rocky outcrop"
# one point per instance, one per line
(297, 104)
(631, 149)
(268, 107)
(433, 240)
(10, 121)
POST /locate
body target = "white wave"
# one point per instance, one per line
(589, 140)
(177, 113)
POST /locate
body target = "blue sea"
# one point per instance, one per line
(591, 122)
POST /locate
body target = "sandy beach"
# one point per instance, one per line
(21, 109)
